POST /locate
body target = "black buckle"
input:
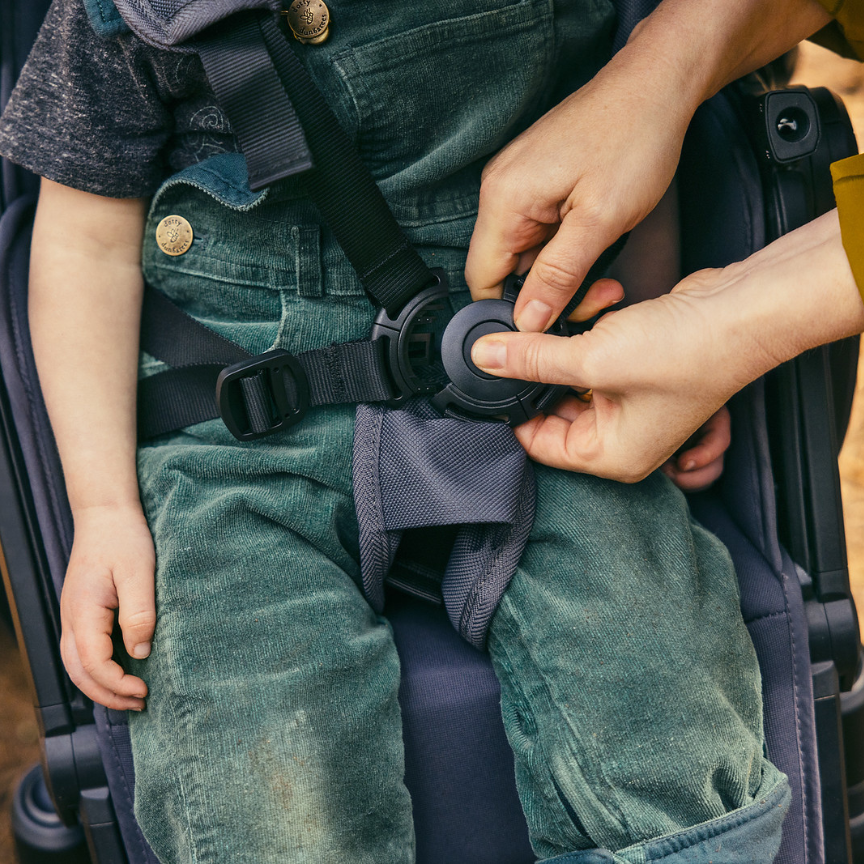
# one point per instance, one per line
(282, 408)
(412, 338)
(475, 395)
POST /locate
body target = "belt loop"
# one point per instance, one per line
(307, 260)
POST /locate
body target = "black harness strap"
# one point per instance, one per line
(340, 185)
(250, 92)
(184, 395)
(279, 116)
(175, 338)
(176, 398)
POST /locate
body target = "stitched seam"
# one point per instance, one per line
(170, 184)
(481, 589)
(804, 791)
(182, 789)
(723, 824)
(334, 368)
(401, 248)
(766, 617)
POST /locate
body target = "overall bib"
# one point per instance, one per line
(630, 688)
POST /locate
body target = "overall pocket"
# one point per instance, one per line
(434, 101)
(255, 271)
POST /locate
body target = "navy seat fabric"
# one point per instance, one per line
(774, 612)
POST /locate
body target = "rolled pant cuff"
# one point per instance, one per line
(751, 834)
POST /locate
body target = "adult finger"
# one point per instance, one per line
(85, 683)
(548, 440)
(530, 357)
(137, 612)
(601, 295)
(559, 270)
(577, 446)
(499, 238)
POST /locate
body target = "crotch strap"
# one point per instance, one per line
(416, 469)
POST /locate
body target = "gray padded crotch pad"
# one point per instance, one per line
(416, 469)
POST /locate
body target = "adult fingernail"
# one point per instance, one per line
(690, 465)
(488, 354)
(534, 317)
(141, 650)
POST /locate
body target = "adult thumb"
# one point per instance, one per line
(531, 357)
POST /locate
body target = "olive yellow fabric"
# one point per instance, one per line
(848, 177)
(845, 35)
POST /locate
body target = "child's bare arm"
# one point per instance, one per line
(85, 306)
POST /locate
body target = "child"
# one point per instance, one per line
(630, 689)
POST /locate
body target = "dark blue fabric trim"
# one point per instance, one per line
(116, 750)
(105, 19)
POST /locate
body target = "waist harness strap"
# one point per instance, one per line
(268, 392)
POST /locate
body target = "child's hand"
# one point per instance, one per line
(111, 568)
(699, 462)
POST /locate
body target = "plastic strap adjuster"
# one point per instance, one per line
(262, 395)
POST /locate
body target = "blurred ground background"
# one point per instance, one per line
(19, 742)
(18, 736)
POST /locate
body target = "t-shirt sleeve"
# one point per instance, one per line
(85, 111)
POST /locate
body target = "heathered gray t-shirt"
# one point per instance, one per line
(111, 116)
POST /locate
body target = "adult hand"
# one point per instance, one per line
(653, 384)
(659, 369)
(562, 192)
(597, 163)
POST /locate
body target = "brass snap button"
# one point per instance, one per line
(174, 235)
(309, 21)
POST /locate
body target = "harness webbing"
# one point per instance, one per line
(250, 92)
(339, 184)
(345, 373)
(284, 126)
